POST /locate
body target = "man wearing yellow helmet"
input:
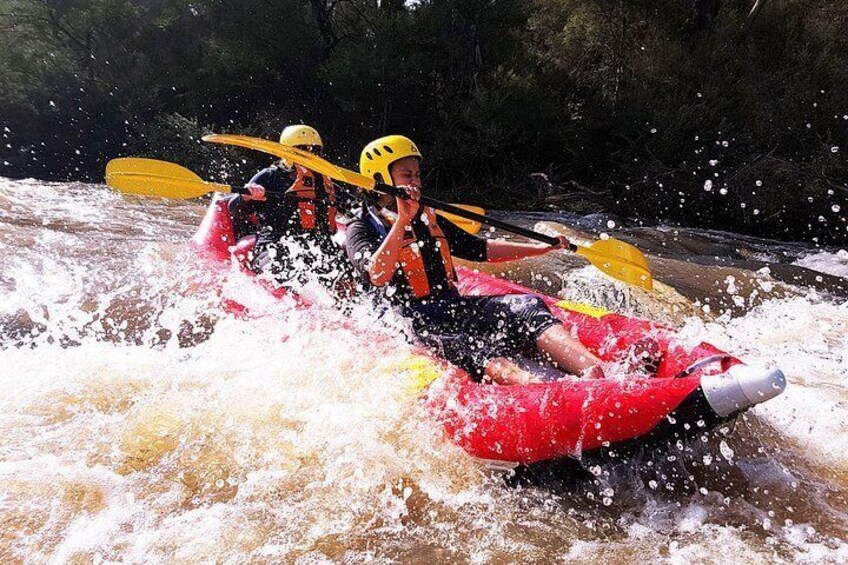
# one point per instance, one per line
(407, 250)
(292, 210)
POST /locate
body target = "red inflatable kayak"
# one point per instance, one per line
(693, 389)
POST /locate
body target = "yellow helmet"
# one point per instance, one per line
(301, 135)
(378, 156)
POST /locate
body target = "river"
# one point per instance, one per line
(140, 423)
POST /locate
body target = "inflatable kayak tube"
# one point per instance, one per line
(692, 390)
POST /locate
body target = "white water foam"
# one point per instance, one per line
(835, 264)
(808, 339)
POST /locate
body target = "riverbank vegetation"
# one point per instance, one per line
(726, 114)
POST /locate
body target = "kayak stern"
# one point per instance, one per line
(741, 387)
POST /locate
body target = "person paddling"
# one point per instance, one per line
(292, 210)
(408, 251)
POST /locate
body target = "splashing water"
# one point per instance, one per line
(141, 422)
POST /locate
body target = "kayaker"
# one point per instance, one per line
(292, 211)
(407, 250)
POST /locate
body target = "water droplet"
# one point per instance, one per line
(708, 185)
(759, 183)
(653, 130)
(724, 144)
(611, 224)
(834, 149)
(722, 191)
(726, 451)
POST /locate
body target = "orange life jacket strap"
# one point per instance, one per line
(312, 199)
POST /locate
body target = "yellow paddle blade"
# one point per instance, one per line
(304, 158)
(619, 260)
(150, 177)
(155, 167)
(470, 226)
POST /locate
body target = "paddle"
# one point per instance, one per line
(151, 177)
(616, 258)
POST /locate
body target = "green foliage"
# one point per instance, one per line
(624, 105)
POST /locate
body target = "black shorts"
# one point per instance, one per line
(470, 331)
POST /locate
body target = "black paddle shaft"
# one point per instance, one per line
(467, 214)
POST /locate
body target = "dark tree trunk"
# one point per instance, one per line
(322, 12)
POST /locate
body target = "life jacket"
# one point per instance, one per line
(316, 199)
(426, 245)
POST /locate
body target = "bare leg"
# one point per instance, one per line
(503, 371)
(567, 352)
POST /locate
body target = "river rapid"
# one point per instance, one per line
(141, 423)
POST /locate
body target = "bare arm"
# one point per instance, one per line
(499, 250)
